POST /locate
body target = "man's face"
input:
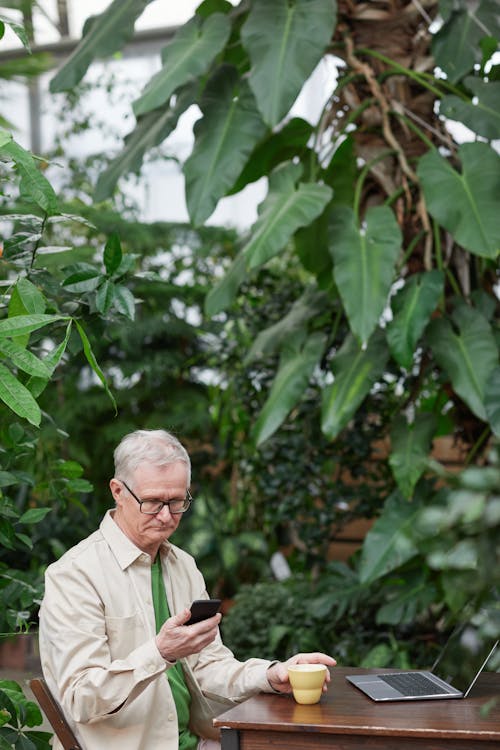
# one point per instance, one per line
(149, 483)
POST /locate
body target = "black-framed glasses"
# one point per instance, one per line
(153, 507)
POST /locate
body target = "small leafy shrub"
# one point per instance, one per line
(17, 713)
(335, 614)
(273, 620)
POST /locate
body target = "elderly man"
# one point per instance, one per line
(115, 648)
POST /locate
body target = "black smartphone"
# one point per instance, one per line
(201, 609)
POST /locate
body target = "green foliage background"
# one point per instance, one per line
(361, 307)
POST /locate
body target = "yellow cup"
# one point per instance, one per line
(307, 682)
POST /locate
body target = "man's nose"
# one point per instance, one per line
(164, 512)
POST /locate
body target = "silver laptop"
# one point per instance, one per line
(462, 660)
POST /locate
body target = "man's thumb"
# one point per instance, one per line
(182, 617)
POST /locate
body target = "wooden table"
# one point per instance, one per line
(345, 719)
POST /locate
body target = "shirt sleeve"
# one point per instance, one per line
(220, 675)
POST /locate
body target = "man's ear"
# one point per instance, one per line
(116, 488)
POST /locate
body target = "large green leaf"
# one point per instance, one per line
(466, 204)
(355, 369)
(288, 386)
(285, 40)
(224, 291)
(288, 206)
(186, 57)
(18, 398)
(465, 348)
(150, 131)
(412, 308)
(363, 263)
(312, 241)
(33, 183)
(102, 36)
(390, 541)
(225, 137)
(456, 45)
(482, 114)
(410, 445)
(291, 326)
(280, 146)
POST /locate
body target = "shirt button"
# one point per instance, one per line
(170, 717)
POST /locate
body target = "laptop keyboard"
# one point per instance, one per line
(413, 683)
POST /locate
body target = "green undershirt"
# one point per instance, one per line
(182, 698)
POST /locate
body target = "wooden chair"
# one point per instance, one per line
(54, 714)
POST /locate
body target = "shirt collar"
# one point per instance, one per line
(122, 547)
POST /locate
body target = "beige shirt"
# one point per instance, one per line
(99, 655)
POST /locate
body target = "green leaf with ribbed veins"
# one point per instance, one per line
(83, 281)
(112, 254)
(285, 40)
(289, 205)
(291, 326)
(188, 56)
(482, 115)
(37, 385)
(390, 542)
(289, 384)
(363, 263)
(104, 297)
(33, 182)
(102, 36)
(465, 347)
(21, 324)
(410, 446)
(151, 130)
(224, 139)
(355, 370)
(18, 398)
(23, 359)
(34, 515)
(412, 308)
(26, 298)
(124, 301)
(465, 203)
(456, 45)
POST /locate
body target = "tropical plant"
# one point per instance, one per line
(387, 202)
(16, 714)
(372, 198)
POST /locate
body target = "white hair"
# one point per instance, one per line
(155, 447)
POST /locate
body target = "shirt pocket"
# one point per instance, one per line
(125, 634)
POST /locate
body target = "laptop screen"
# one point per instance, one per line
(463, 656)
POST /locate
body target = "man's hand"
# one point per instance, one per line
(176, 639)
(277, 674)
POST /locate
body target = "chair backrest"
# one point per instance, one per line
(54, 714)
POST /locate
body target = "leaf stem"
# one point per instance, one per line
(417, 77)
(477, 445)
